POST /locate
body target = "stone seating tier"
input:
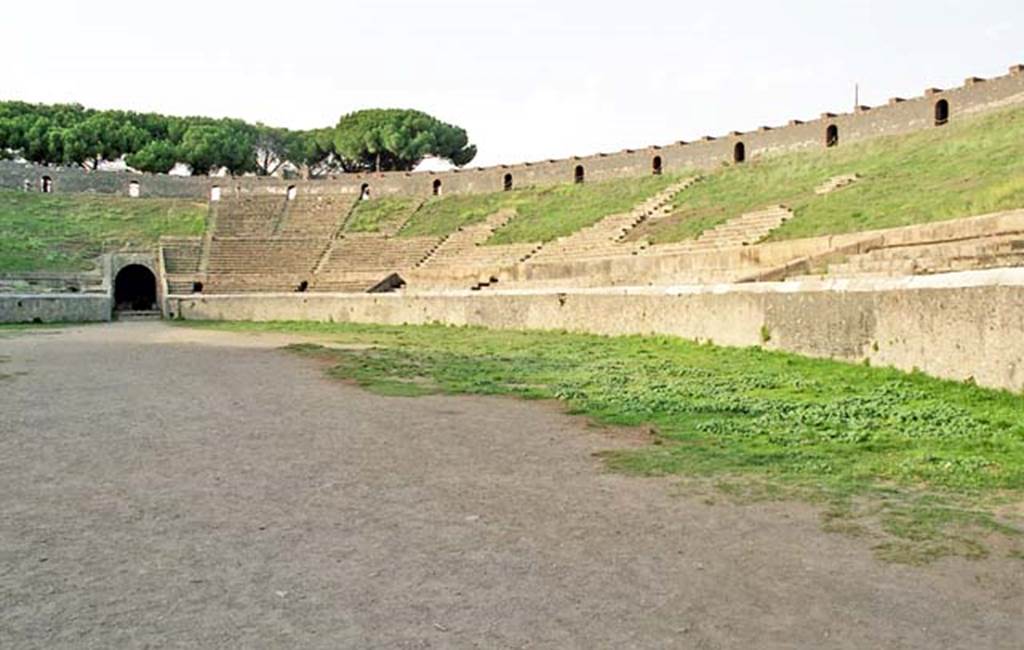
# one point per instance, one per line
(253, 283)
(314, 216)
(248, 215)
(941, 257)
(263, 256)
(182, 257)
(744, 230)
(605, 238)
(377, 253)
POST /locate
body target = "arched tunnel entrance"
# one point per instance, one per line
(135, 289)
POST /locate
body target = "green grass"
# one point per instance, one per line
(385, 214)
(543, 213)
(971, 167)
(63, 232)
(918, 465)
(442, 215)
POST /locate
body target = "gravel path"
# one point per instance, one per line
(164, 487)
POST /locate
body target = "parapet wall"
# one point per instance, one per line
(956, 326)
(897, 116)
(55, 308)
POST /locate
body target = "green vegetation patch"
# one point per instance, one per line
(919, 464)
(543, 213)
(65, 232)
(969, 167)
(384, 215)
(442, 215)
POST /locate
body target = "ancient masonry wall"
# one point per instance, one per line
(897, 116)
(927, 322)
(55, 308)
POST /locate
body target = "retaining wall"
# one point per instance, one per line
(956, 326)
(55, 308)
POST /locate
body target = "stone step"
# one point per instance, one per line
(861, 266)
(138, 315)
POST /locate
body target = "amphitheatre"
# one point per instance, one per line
(792, 360)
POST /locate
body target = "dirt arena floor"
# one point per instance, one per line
(162, 487)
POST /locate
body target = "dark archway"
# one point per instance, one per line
(580, 174)
(739, 152)
(656, 166)
(832, 135)
(437, 187)
(508, 182)
(46, 185)
(135, 289)
(941, 112)
(197, 287)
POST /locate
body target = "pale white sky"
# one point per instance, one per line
(529, 80)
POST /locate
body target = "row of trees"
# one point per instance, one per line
(369, 140)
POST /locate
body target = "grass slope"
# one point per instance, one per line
(385, 214)
(918, 465)
(63, 232)
(543, 213)
(969, 167)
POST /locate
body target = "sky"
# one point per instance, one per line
(529, 79)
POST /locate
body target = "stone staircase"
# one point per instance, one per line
(136, 315)
(467, 246)
(744, 230)
(606, 238)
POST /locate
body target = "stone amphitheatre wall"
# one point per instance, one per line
(926, 322)
(897, 116)
(55, 308)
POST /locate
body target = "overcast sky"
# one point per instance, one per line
(528, 79)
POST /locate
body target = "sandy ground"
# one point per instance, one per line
(163, 487)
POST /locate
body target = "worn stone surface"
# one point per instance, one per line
(55, 308)
(172, 488)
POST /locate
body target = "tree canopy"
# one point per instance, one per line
(376, 139)
(398, 140)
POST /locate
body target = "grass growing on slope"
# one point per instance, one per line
(543, 213)
(442, 215)
(65, 232)
(969, 167)
(385, 214)
(918, 465)
(561, 210)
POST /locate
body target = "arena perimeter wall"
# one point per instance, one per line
(957, 326)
